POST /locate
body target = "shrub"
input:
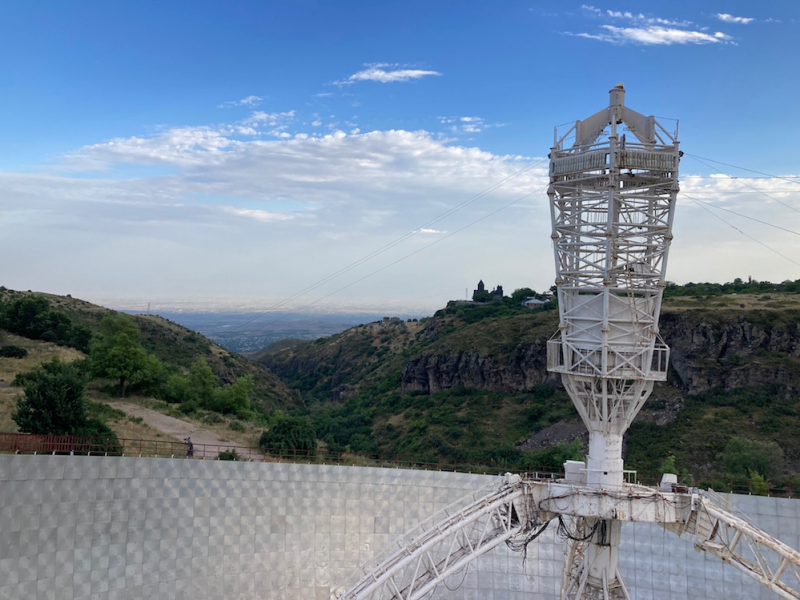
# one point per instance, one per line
(229, 454)
(236, 426)
(13, 352)
(290, 433)
(745, 458)
(54, 402)
(32, 317)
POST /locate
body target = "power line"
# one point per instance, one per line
(719, 162)
(738, 214)
(401, 259)
(391, 244)
(789, 206)
(743, 233)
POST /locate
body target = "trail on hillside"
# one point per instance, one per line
(206, 443)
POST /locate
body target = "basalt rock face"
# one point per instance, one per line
(434, 372)
(709, 351)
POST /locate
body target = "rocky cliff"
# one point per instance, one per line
(708, 350)
(472, 374)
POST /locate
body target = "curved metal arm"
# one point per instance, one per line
(428, 556)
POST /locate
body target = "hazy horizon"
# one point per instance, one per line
(367, 155)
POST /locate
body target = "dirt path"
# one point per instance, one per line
(206, 443)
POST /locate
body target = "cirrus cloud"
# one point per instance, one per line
(647, 29)
(386, 73)
(250, 101)
(655, 35)
(726, 18)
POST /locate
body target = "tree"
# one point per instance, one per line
(745, 458)
(32, 317)
(521, 294)
(291, 433)
(202, 383)
(117, 352)
(54, 401)
(235, 397)
(23, 316)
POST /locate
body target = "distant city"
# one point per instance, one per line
(249, 332)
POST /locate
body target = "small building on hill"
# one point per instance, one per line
(533, 302)
(481, 295)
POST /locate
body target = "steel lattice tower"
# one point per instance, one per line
(612, 202)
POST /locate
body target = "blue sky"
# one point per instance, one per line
(244, 151)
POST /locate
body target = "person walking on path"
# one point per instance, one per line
(189, 448)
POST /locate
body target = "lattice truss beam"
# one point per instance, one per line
(575, 577)
(641, 235)
(740, 544)
(518, 510)
(608, 404)
(436, 551)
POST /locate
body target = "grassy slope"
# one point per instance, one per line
(351, 383)
(464, 425)
(177, 345)
(41, 352)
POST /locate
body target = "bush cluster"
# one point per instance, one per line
(31, 316)
(289, 433)
(737, 286)
(11, 351)
(55, 404)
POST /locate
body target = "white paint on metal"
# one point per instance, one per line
(443, 546)
(612, 204)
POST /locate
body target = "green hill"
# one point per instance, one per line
(174, 345)
(470, 384)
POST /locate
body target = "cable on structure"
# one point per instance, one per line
(393, 243)
(745, 234)
(401, 259)
(719, 162)
(465, 569)
(738, 180)
(738, 214)
(565, 534)
(522, 546)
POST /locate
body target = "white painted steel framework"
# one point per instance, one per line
(442, 546)
(612, 202)
(517, 510)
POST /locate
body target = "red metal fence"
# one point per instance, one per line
(22, 443)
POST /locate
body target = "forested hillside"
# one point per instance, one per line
(75, 323)
(470, 384)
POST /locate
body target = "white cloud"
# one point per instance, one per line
(270, 119)
(259, 215)
(618, 14)
(648, 30)
(217, 209)
(250, 101)
(642, 19)
(654, 35)
(301, 207)
(726, 18)
(461, 125)
(378, 72)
